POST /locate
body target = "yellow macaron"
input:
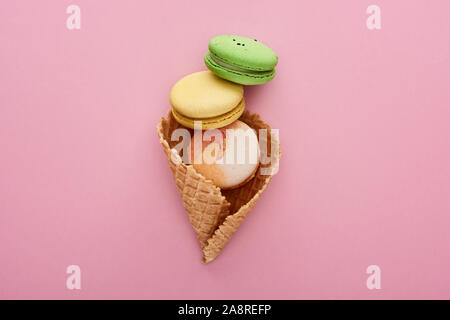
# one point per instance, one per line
(202, 96)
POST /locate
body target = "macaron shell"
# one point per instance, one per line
(213, 122)
(229, 175)
(227, 178)
(205, 95)
(243, 52)
(237, 76)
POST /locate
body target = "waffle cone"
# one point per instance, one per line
(216, 214)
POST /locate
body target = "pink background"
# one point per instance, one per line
(364, 126)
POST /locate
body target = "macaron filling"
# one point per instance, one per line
(226, 65)
(212, 122)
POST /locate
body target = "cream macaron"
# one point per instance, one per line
(203, 96)
(228, 156)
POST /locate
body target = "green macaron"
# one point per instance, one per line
(241, 60)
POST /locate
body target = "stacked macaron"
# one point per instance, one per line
(214, 99)
(241, 60)
(207, 99)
